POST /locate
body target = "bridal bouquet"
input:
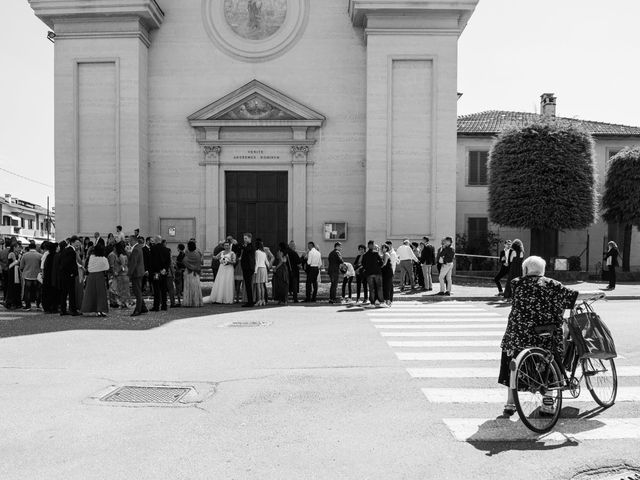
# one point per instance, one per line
(224, 261)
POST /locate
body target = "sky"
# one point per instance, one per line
(512, 51)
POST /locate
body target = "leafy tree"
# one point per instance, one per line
(542, 177)
(621, 199)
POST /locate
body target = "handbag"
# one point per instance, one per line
(590, 335)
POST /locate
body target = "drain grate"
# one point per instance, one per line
(130, 394)
(622, 472)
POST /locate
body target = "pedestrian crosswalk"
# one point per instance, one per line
(451, 351)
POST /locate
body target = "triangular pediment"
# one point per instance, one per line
(259, 104)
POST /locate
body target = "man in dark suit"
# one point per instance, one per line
(146, 255)
(160, 259)
(248, 265)
(68, 277)
(427, 261)
(136, 274)
(294, 271)
(335, 260)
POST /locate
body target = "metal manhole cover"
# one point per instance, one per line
(622, 472)
(130, 394)
(248, 324)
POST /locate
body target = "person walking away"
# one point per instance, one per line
(427, 260)
(314, 263)
(160, 263)
(445, 260)
(30, 270)
(50, 292)
(248, 266)
(611, 259)
(361, 278)
(193, 267)
(406, 258)
(294, 271)
(68, 277)
(372, 263)
(515, 257)
(335, 261)
(136, 272)
(417, 268)
(223, 290)
(13, 299)
(260, 274)
(281, 275)
(387, 276)
(503, 263)
(347, 280)
(95, 294)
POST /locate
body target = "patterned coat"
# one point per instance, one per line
(536, 301)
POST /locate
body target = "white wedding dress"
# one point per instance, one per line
(223, 290)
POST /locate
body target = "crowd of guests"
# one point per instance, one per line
(82, 275)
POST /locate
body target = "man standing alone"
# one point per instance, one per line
(427, 260)
(335, 260)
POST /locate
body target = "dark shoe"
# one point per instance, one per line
(164, 309)
(247, 305)
(76, 314)
(144, 311)
(440, 294)
(63, 314)
(447, 294)
(135, 314)
(509, 409)
(154, 310)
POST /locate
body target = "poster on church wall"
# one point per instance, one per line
(335, 230)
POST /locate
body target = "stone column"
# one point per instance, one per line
(212, 206)
(298, 198)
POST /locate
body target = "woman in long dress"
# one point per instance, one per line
(193, 266)
(95, 294)
(223, 290)
(516, 257)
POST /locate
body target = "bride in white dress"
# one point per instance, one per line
(223, 290)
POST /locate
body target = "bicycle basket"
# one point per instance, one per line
(590, 335)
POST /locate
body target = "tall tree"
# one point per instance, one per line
(542, 177)
(621, 199)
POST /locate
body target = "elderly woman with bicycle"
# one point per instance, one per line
(538, 304)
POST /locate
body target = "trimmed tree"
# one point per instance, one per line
(542, 178)
(621, 199)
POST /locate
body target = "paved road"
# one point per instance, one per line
(321, 392)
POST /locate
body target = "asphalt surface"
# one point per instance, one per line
(317, 392)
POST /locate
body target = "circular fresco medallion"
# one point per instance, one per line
(255, 19)
(255, 30)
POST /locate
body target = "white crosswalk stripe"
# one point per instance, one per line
(467, 337)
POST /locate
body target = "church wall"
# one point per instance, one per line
(324, 70)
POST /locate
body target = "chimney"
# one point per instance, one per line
(7, 197)
(548, 105)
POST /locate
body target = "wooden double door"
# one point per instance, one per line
(258, 202)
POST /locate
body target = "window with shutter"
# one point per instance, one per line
(478, 167)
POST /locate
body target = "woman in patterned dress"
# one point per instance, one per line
(193, 267)
(537, 301)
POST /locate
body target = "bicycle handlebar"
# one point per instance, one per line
(592, 296)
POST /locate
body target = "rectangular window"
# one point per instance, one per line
(477, 229)
(478, 167)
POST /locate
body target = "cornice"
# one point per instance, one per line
(52, 11)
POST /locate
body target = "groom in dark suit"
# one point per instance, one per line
(248, 265)
(136, 274)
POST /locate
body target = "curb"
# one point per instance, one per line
(433, 298)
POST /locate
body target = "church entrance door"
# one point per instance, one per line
(257, 202)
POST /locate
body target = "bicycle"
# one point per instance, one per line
(538, 382)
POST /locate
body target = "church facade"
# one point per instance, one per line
(293, 119)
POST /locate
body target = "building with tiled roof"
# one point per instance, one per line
(476, 133)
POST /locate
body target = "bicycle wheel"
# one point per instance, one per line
(601, 379)
(537, 390)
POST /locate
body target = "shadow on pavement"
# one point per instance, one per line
(503, 435)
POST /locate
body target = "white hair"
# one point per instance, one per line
(534, 266)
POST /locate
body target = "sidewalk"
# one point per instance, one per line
(483, 291)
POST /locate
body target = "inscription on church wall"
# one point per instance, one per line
(257, 154)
